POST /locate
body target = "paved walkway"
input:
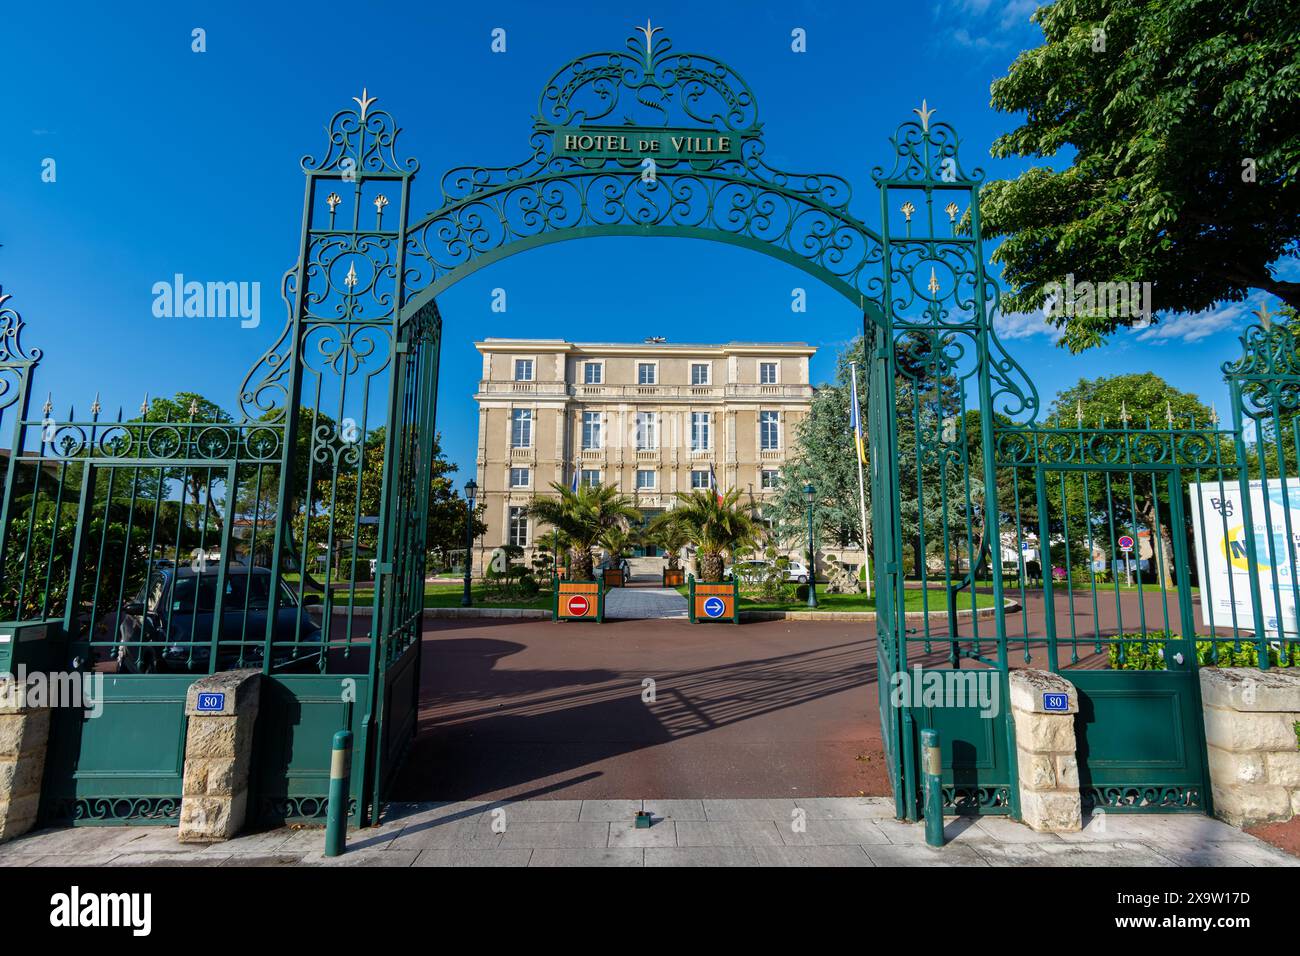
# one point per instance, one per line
(851, 831)
(643, 602)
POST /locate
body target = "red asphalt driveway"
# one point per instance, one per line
(536, 709)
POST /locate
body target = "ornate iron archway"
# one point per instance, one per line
(638, 142)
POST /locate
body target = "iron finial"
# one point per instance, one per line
(95, 406)
(933, 284)
(363, 101)
(925, 113)
(648, 31)
(48, 408)
(951, 209)
(1214, 414)
(144, 406)
(1078, 412)
(1265, 316)
(1169, 413)
(907, 209)
(194, 407)
(1123, 412)
(350, 280)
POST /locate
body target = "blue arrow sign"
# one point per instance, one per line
(715, 607)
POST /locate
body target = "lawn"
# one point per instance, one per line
(913, 600)
(448, 594)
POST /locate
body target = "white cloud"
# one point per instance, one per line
(1024, 325)
(982, 24)
(1194, 326)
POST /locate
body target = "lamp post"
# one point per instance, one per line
(810, 493)
(471, 490)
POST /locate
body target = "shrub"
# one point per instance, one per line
(1149, 656)
(801, 592)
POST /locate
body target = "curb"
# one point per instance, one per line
(529, 613)
(982, 614)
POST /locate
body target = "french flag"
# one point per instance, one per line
(713, 482)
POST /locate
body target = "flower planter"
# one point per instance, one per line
(713, 601)
(613, 578)
(673, 578)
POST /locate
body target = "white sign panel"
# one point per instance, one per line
(1219, 525)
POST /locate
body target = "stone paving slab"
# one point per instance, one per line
(830, 832)
(625, 603)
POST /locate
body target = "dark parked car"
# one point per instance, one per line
(178, 605)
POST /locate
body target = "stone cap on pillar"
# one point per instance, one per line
(1249, 689)
(1028, 686)
(239, 690)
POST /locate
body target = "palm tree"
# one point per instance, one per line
(583, 516)
(617, 542)
(671, 535)
(717, 528)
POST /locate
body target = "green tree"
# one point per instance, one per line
(718, 529)
(1148, 401)
(583, 516)
(671, 535)
(1184, 119)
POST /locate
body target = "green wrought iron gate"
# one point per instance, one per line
(104, 521)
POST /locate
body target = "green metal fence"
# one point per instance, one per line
(156, 547)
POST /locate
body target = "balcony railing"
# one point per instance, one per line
(644, 392)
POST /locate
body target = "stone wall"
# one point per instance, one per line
(24, 732)
(1250, 736)
(1045, 751)
(218, 754)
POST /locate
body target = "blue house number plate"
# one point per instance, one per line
(1056, 702)
(211, 703)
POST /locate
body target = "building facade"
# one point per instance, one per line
(652, 419)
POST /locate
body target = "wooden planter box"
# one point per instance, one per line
(579, 601)
(614, 578)
(713, 601)
(674, 578)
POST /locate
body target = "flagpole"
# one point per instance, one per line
(862, 493)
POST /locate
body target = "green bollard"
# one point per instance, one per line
(931, 770)
(336, 824)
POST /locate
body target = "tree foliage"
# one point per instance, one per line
(1184, 119)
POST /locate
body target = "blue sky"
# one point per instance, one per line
(171, 161)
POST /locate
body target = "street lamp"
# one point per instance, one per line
(471, 490)
(810, 493)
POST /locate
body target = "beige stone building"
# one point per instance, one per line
(652, 418)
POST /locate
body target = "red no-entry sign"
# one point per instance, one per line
(578, 605)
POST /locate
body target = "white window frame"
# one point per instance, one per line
(532, 368)
(584, 480)
(521, 415)
(708, 373)
(704, 481)
(762, 438)
(776, 373)
(653, 364)
(517, 513)
(597, 432)
(762, 478)
(528, 477)
(651, 432)
(708, 432)
(593, 364)
(654, 479)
